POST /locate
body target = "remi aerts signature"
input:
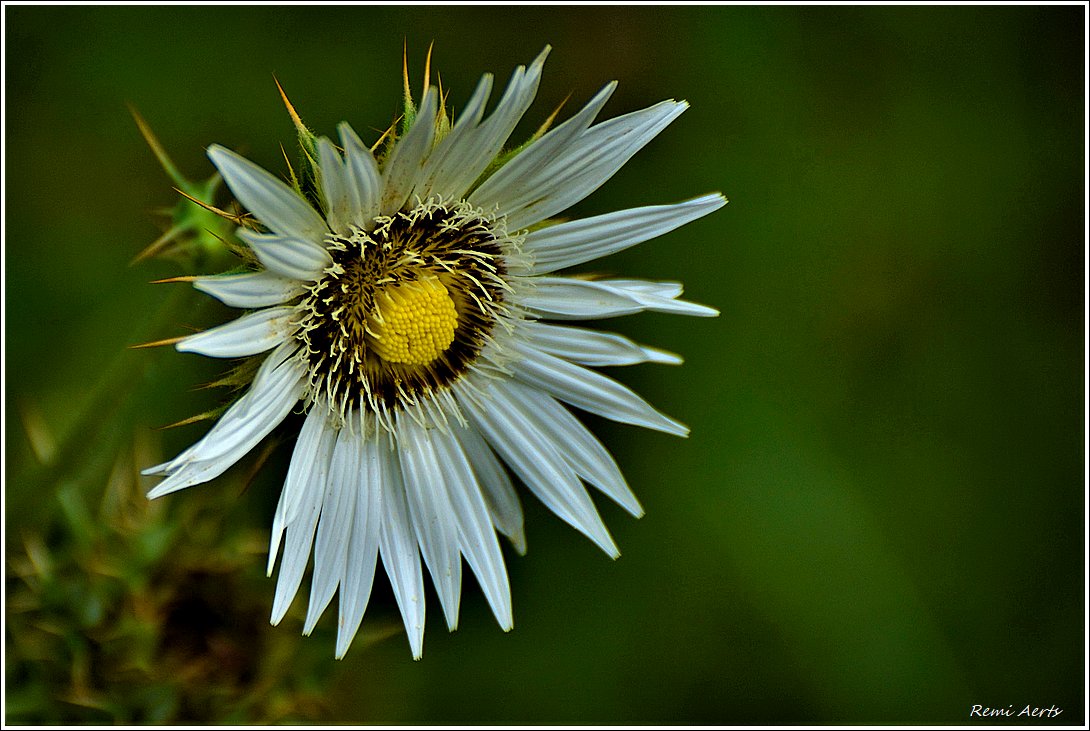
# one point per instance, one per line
(1027, 712)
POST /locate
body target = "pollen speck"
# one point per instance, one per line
(413, 323)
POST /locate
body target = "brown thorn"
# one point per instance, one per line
(157, 147)
(551, 118)
(186, 278)
(427, 69)
(291, 170)
(295, 119)
(157, 343)
(405, 69)
(158, 245)
(186, 422)
(262, 458)
(385, 134)
(237, 219)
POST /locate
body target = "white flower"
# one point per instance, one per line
(408, 319)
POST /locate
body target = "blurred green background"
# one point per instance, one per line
(878, 517)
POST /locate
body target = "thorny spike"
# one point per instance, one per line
(385, 134)
(186, 278)
(262, 458)
(291, 170)
(295, 118)
(191, 420)
(427, 70)
(157, 343)
(550, 119)
(442, 121)
(240, 219)
(157, 148)
(157, 246)
(405, 72)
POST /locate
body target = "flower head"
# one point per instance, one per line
(405, 306)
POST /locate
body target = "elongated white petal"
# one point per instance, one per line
(245, 424)
(580, 167)
(250, 290)
(233, 418)
(563, 298)
(359, 571)
(307, 471)
(399, 550)
(478, 147)
(430, 511)
(340, 197)
(665, 290)
(335, 523)
(576, 242)
(275, 204)
(248, 335)
(576, 445)
(503, 502)
(300, 531)
(584, 166)
(290, 257)
(495, 193)
(476, 533)
(592, 347)
(501, 419)
(443, 163)
(560, 298)
(363, 176)
(406, 162)
(590, 391)
(659, 297)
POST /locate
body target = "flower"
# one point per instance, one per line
(404, 306)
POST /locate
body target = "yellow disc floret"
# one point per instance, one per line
(413, 322)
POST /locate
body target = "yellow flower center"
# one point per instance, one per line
(412, 323)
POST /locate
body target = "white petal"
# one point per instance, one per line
(568, 244)
(400, 554)
(359, 572)
(250, 290)
(339, 196)
(497, 190)
(502, 421)
(406, 162)
(581, 166)
(592, 347)
(665, 290)
(561, 298)
(234, 419)
(564, 298)
(290, 257)
(590, 391)
(576, 445)
(430, 511)
(584, 166)
(480, 145)
(443, 164)
(499, 494)
(275, 204)
(335, 523)
(363, 175)
(243, 425)
(659, 297)
(300, 531)
(248, 335)
(476, 534)
(307, 471)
